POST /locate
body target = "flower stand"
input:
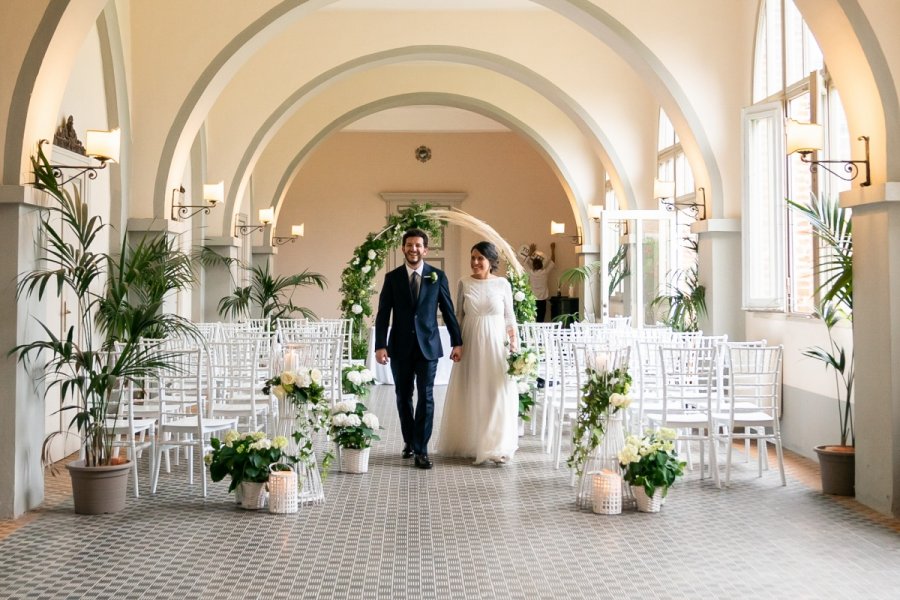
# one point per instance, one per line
(252, 494)
(604, 458)
(283, 491)
(311, 491)
(354, 460)
(646, 503)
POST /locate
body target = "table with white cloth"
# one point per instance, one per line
(383, 372)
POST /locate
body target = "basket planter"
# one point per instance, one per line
(251, 495)
(98, 490)
(354, 460)
(521, 431)
(837, 465)
(646, 503)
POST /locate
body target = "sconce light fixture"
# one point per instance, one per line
(559, 229)
(213, 193)
(100, 145)
(664, 191)
(296, 231)
(595, 211)
(806, 138)
(266, 216)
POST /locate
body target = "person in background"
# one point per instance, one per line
(538, 268)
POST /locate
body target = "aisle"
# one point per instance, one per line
(457, 531)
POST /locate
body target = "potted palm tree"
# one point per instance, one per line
(683, 301)
(118, 301)
(832, 227)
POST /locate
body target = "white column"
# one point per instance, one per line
(720, 271)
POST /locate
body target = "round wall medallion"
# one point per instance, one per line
(423, 154)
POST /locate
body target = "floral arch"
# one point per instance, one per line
(358, 278)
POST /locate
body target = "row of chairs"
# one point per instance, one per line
(706, 388)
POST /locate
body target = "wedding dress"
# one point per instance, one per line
(481, 407)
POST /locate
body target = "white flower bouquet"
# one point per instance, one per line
(246, 456)
(357, 379)
(651, 461)
(352, 426)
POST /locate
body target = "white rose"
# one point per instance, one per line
(366, 269)
(370, 420)
(353, 421)
(519, 296)
(315, 375)
(356, 309)
(303, 379)
(288, 378)
(616, 399)
(524, 387)
(371, 255)
(355, 261)
(278, 391)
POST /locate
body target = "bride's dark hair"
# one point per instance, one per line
(490, 252)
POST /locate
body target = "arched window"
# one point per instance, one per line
(672, 166)
(790, 80)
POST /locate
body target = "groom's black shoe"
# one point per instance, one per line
(407, 451)
(423, 462)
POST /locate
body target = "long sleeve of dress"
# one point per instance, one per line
(508, 314)
(460, 303)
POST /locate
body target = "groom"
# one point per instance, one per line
(413, 292)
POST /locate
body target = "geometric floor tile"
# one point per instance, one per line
(458, 531)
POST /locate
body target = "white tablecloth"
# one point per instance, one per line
(383, 372)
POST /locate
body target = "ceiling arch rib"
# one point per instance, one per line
(601, 144)
(587, 16)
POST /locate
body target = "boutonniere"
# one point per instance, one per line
(432, 277)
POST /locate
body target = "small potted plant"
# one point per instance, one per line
(353, 429)
(247, 458)
(650, 466)
(357, 380)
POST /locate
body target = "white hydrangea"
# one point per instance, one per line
(345, 406)
(666, 433)
(628, 455)
(354, 377)
(519, 296)
(370, 420)
(356, 309)
(263, 444)
(315, 375)
(280, 442)
(371, 254)
(339, 420)
(353, 421)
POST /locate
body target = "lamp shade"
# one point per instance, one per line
(557, 228)
(595, 211)
(266, 215)
(102, 145)
(297, 230)
(663, 189)
(214, 192)
(803, 137)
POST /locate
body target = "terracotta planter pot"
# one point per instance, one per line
(98, 490)
(837, 465)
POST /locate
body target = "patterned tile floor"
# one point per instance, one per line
(458, 531)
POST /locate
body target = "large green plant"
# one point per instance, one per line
(117, 299)
(683, 301)
(268, 296)
(832, 227)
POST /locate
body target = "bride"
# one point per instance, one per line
(482, 404)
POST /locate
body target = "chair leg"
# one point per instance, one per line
(729, 457)
(780, 453)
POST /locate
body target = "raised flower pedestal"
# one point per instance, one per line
(354, 460)
(251, 495)
(644, 502)
(604, 458)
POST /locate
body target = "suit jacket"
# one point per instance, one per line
(415, 321)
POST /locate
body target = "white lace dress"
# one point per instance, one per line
(482, 403)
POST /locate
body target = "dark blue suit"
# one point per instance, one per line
(414, 346)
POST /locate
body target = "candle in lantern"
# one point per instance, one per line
(607, 493)
(291, 359)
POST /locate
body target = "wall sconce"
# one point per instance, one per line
(213, 193)
(266, 216)
(698, 209)
(100, 145)
(595, 212)
(296, 231)
(559, 229)
(806, 138)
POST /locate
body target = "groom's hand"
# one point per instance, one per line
(456, 354)
(381, 356)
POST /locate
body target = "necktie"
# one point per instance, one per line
(414, 285)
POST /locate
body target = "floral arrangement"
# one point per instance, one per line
(523, 367)
(357, 379)
(303, 388)
(358, 278)
(246, 457)
(352, 426)
(604, 393)
(651, 461)
(524, 302)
